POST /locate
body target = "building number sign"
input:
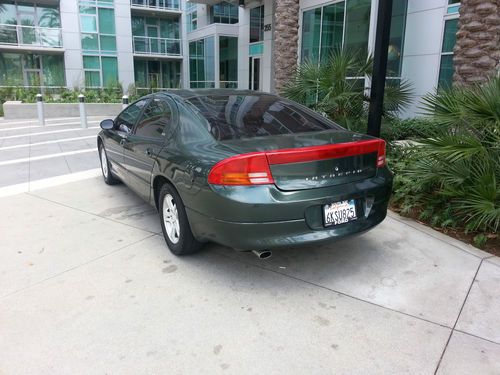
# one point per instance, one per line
(267, 27)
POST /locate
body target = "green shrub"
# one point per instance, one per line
(452, 175)
(329, 88)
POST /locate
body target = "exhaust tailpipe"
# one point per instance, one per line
(262, 254)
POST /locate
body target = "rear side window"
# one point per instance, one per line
(248, 116)
(155, 120)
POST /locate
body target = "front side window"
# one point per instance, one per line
(126, 120)
(155, 121)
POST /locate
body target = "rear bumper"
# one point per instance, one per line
(264, 217)
(271, 235)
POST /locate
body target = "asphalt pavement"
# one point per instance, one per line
(88, 286)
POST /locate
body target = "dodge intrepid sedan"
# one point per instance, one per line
(248, 170)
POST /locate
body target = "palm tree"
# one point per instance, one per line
(336, 87)
(285, 37)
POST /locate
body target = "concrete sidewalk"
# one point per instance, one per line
(88, 286)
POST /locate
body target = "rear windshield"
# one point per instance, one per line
(248, 116)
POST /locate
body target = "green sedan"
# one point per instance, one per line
(248, 170)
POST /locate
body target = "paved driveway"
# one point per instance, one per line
(88, 286)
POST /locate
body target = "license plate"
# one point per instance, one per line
(339, 212)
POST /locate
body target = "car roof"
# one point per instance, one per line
(187, 94)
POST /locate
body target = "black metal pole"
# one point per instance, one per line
(379, 67)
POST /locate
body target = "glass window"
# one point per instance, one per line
(53, 70)
(126, 120)
(108, 43)
(48, 16)
(224, 12)
(90, 42)
(446, 71)
(109, 70)
(248, 116)
(91, 62)
(332, 29)
(92, 79)
(171, 74)
(357, 26)
(106, 21)
(228, 62)
(202, 63)
(155, 120)
(88, 24)
(11, 70)
(396, 41)
(311, 31)
(8, 14)
(447, 68)
(257, 24)
(192, 21)
(450, 35)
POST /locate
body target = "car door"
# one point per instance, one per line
(145, 143)
(123, 126)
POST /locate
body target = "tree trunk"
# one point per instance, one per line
(286, 37)
(477, 50)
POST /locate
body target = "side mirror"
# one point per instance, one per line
(107, 124)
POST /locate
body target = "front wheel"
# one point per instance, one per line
(106, 167)
(175, 224)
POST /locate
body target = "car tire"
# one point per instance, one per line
(106, 167)
(174, 223)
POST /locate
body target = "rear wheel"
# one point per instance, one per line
(175, 224)
(106, 167)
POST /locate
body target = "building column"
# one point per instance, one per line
(123, 25)
(286, 38)
(477, 50)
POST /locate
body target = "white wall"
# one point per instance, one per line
(422, 47)
(70, 25)
(125, 56)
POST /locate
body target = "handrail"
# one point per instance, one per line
(157, 46)
(168, 5)
(39, 36)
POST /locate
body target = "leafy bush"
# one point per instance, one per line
(329, 88)
(452, 176)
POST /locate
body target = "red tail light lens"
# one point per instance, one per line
(381, 159)
(247, 169)
(253, 168)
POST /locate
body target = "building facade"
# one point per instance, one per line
(246, 44)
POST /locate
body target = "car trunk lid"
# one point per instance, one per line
(314, 160)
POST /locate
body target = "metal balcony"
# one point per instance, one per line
(167, 47)
(30, 36)
(157, 5)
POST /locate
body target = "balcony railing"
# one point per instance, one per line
(33, 36)
(157, 46)
(157, 4)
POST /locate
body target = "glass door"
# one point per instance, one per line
(27, 21)
(254, 73)
(154, 43)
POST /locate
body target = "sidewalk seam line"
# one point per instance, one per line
(458, 317)
(477, 337)
(75, 267)
(340, 293)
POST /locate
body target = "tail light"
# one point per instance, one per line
(381, 159)
(254, 168)
(246, 169)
